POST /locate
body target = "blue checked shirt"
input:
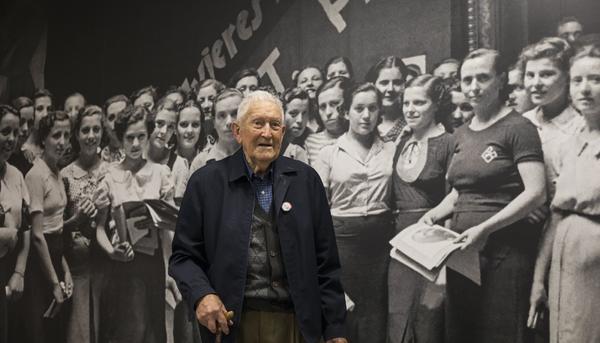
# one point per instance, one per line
(263, 187)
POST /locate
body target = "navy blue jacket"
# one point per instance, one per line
(210, 248)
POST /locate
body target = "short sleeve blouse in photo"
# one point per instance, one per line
(152, 181)
(13, 193)
(47, 194)
(356, 187)
(484, 166)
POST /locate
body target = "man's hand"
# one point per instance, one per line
(337, 340)
(211, 313)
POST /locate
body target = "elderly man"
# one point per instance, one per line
(255, 236)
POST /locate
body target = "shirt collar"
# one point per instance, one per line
(344, 144)
(77, 172)
(44, 167)
(564, 121)
(268, 175)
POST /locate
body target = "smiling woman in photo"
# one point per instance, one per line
(82, 179)
(162, 139)
(420, 164)
(14, 236)
(547, 80)
(569, 260)
(47, 266)
(389, 75)
(191, 139)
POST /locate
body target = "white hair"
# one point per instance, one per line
(255, 97)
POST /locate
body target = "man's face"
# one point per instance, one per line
(446, 70)
(247, 84)
(519, 97)
(73, 105)
(26, 124)
(145, 100)
(41, 107)
(260, 132)
(176, 97)
(570, 31)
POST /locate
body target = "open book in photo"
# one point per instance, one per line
(426, 249)
(161, 214)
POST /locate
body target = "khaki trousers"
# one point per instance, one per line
(268, 327)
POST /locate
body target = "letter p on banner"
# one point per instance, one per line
(332, 10)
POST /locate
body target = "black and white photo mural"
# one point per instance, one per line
(477, 120)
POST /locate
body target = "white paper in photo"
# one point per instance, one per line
(419, 60)
(428, 245)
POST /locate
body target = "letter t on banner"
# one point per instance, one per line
(332, 10)
(268, 67)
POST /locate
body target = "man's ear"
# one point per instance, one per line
(235, 129)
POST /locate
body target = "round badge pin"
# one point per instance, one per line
(286, 206)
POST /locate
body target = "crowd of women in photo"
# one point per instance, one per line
(508, 157)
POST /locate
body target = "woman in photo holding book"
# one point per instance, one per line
(569, 260)
(138, 287)
(419, 167)
(47, 267)
(497, 178)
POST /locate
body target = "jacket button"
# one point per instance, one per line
(273, 253)
(275, 284)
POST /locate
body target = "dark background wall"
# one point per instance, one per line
(101, 48)
(109, 47)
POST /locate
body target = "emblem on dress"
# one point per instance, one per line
(286, 206)
(489, 154)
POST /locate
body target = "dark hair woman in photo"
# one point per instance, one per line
(497, 178)
(332, 99)
(569, 259)
(113, 107)
(146, 97)
(24, 106)
(419, 172)
(176, 94)
(296, 108)
(309, 78)
(84, 197)
(191, 140)
(389, 75)
(47, 266)
(356, 171)
(162, 140)
(42, 104)
(245, 80)
(14, 231)
(141, 250)
(206, 95)
(339, 66)
(546, 78)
